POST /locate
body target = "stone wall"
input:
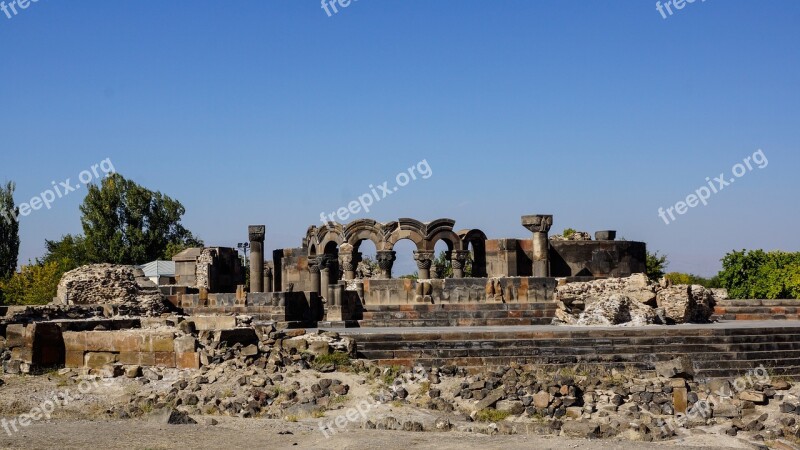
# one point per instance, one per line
(293, 270)
(458, 290)
(96, 349)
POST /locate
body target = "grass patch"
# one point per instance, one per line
(317, 413)
(491, 415)
(338, 400)
(291, 418)
(338, 359)
(390, 374)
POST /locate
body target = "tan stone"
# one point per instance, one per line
(541, 399)
(189, 360)
(96, 360)
(73, 359)
(680, 400)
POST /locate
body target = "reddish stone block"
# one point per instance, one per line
(74, 359)
(165, 359)
(190, 360)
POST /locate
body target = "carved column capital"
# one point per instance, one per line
(256, 233)
(424, 259)
(313, 264)
(459, 259)
(538, 223)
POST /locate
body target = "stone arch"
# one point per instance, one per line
(364, 229)
(411, 229)
(478, 240)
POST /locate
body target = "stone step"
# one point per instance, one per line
(750, 302)
(462, 306)
(705, 351)
(755, 316)
(715, 350)
(454, 322)
(449, 315)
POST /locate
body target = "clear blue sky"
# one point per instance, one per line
(272, 112)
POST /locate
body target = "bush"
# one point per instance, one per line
(34, 284)
(760, 274)
(687, 278)
(656, 265)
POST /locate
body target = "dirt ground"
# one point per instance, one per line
(83, 423)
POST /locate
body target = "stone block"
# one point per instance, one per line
(164, 359)
(96, 360)
(24, 354)
(490, 400)
(99, 341)
(185, 344)
(74, 359)
(679, 399)
(128, 342)
(753, 396)
(15, 336)
(212, 323)
(162, 342)
(74, 341)
(189, 360)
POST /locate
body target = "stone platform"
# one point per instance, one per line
(455, 314)
(757, 310)
(723, 349)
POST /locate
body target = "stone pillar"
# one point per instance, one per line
(424, 260)
(256, 234)
(348, 259)
(325, 273)
(459, 262)
(386, 259)
(313, 269)
(268, 279)
(540, 225)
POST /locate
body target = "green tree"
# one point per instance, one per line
(125, 223)
(447, 264)
(760, 274)
(568, 232)
(34, 284)
(70, 251)
(656, 265)
(687, 278)
(9, 231)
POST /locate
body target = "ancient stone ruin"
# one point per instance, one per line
(567, 335)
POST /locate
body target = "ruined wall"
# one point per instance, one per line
(457, 290)
(597, 258)
(294, 270)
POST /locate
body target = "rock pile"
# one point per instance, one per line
(575, 236)
(246, 376)
(125, 287)
(633, 301)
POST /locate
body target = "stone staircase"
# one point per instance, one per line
(457, 314)
(757, 310)
(716, 350)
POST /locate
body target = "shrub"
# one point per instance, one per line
(34, 284)
(491, 415)
(760, 274)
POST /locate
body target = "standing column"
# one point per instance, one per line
(540, 225)
(424, 261)
(459, 262)
(386, 260)
(268, 279)
(313, 269)
(256, 234)
(348, 261)
(325, 273)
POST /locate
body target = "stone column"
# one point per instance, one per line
(424, 260)
(256, 234)
(313, 269)
(348, 259)
(386, 260)
(459, 262)
(268, 280)
(325, 275)
(540, 225)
